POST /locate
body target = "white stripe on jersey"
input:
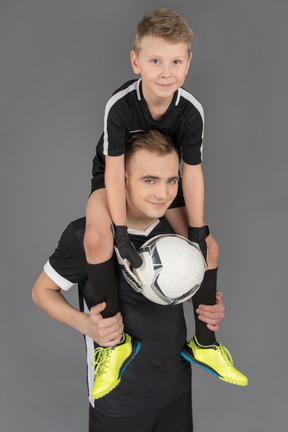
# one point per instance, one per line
(138, 89)
(63, 283)
(89, 356)
(137, 131)
(110, 103)
(198, 106)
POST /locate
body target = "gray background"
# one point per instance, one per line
(60, 61)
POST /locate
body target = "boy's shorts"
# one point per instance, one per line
(173, 417)
(98, 182)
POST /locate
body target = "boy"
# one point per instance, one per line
(156, 392)
(162, 56)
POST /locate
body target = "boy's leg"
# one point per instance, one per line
(103, 276)
(206, 295)
(98, 244)
(203, 348)
(177, 218)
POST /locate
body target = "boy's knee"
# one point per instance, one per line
(97, 243)
(213, 252)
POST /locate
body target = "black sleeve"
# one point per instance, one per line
(193, 138)
(116, 128)
(69, 260)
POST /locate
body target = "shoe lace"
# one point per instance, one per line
(225, 353)
(100, 360)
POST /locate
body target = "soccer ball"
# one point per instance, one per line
(172, 271)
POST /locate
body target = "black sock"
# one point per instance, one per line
(206, 295)
(103, 278)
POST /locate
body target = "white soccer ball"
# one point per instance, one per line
(172, 271)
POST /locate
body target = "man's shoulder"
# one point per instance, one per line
(78, 224)
(75, 226)
(68, 259)
(74, 230)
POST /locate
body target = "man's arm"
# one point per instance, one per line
(105, 332)
(212, 315)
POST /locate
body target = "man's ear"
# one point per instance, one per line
(134, 63)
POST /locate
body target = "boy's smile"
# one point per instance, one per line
(163, 66)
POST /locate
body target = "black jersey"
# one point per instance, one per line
(158, 374)
(127, 112)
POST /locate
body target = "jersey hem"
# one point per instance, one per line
(136, 412)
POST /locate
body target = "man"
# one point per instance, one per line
(155, 392)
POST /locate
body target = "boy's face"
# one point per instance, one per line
(163, 66)
(151, 185)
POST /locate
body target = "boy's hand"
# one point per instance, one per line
(198, 235)
(125, 247)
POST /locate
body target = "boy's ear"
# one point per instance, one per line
(189, 61)
(134, 63)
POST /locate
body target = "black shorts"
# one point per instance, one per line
(98, 182)
(173, 417)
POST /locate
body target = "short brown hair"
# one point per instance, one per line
(166, 24)
(152, 141)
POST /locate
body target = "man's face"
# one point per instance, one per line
(151, 186)
(163, 66)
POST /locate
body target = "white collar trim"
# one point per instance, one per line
(144, 233)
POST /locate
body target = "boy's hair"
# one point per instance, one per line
(166, 24)
(152, 141)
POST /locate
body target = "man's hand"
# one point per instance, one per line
(104, 331)
(212, 315)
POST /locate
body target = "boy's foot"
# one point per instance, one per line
(110, 364)
(215, 359)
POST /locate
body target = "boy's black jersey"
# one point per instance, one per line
(158, 374)
(127, 112)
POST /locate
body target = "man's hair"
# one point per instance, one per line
(152, 141)
(166, 24)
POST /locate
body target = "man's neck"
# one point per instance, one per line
(144, 232)
(140, 224)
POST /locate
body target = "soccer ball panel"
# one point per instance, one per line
(172, 271)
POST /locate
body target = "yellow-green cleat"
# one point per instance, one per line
(110, 363)
(215, 359)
